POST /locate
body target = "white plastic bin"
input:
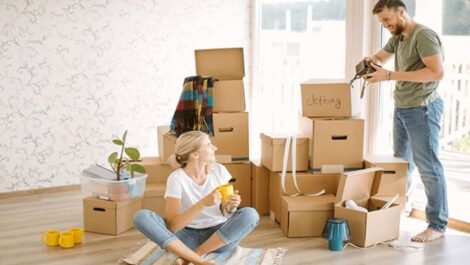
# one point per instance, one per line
(112, 189)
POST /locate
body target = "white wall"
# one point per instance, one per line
(73, 73)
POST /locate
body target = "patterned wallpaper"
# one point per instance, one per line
(75, 72)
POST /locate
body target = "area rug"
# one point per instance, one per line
(151, 254)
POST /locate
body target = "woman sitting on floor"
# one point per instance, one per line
(197, 221)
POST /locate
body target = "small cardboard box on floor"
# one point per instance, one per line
(334, 142)
(228, 67)
(272, 152)
(305, 216)
(394, 178)
(329, 98)
(377, 225)
(307, 182)
(260, 188)
(109, 217)
(153, 198)
(230, 136)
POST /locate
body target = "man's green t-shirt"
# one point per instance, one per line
(422, 42)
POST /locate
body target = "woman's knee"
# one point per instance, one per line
(250, 215)
(143, 217)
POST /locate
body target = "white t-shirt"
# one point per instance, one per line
(181, 186)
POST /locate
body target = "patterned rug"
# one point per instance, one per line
(151, 254)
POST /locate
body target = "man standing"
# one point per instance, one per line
(418, 108)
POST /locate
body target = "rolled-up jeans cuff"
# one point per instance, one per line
(168, 241)
(225, 239)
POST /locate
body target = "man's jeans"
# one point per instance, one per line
(416, 139)
(240, 224)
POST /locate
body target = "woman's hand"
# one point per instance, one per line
(234, 201)
(211, 199)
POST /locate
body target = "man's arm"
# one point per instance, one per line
(381, 57)
(434, 71)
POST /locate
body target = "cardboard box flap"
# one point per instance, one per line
(357, 185)
(310, 203)
(155, 189)
(280, 138)
(384, 160)
(224, 64)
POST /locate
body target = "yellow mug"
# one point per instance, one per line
(66, 240)
(50, 238)
(77, 234)
(226, 191)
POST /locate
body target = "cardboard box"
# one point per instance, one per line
(156, 170)
(241, 180)
(305, 216)
(223, 64)
(401, 201)
(307, 182)
(334, 142)
(153, 198)
(162, 130)
(329, 98)
(260, 188)
(395, 175)
(229, 96)
(230, 137)
(374, 226)
(272, 152)
(109, 217)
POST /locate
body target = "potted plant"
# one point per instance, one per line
(125, 166)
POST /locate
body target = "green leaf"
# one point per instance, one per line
(138, 168)
(117, 142)
(124, 136)
(112, 157)
(133, 153)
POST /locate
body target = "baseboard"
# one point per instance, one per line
(12, 194)
(452, 223)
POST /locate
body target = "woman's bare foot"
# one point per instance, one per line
(209, 262)
(181, 261)
(427, 236)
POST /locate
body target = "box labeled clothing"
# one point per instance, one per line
(229, 96)
(307, 182)
(376, 225)
(153, 198)
(334, 142)
(156, 170)
(329, 98)
(241, 180)
(394, 178)
(272, 152)
(223, 64)
(260, 188)
(231, 134)
(305, 216)
(109, 217)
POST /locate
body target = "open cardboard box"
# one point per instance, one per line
(395, 175)
(374, 226)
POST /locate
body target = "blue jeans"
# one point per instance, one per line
(242, 222)
(416, 139)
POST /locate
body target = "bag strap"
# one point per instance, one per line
(293, 139)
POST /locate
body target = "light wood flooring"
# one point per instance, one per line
(22, 219)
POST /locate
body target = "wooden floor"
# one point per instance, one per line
(22, 219)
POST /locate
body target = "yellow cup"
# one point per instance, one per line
(226, 191)
(50, 238)
(66, 240)
(77, 234)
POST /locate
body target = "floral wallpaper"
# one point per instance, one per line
(75, 72)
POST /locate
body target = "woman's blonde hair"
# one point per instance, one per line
(186, 143)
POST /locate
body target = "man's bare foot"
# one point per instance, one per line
(427, 236)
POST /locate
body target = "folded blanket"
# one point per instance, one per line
(194, 109)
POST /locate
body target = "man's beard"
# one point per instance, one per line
(399, 28)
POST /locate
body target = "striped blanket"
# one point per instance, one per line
(151, 254)
(194, 109)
